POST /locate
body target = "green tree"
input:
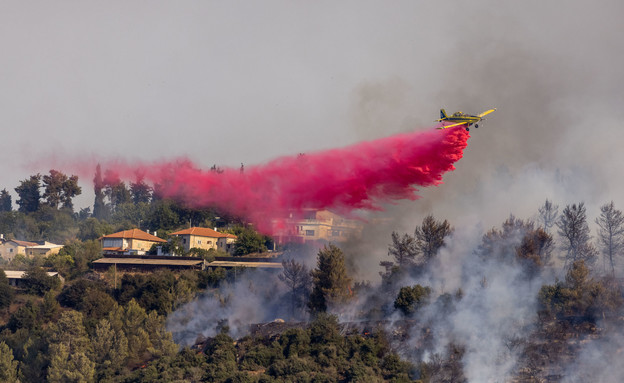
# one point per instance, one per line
(53, 188)
(6, 291)
(208, 255)
(100, 209)
(412, 298)
(501, 244)
(69, 367)
(131, 319)
(404, 249)
(249, 241)
(535, 250)
(116, 191)
(161, 340)
(38, 281)
(111, 353)
(61, 262)
(93, 228)
(69, 350)
(82, 253)
(221, 357)
(29, 194)
(73, 294)
(140, 191)
(430, 237)
(581, 296)
(50, 308)
(8, 366)
(5, 201)
(211, 278)
(26, 317)
(70, 331)
(331, 284)
(324, 329)
(70, 190)
(163, 216)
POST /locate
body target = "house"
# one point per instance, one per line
(316, 225)
(9, 248)
(16, 278)
(129, 242)
(43, 248)
(205, 238)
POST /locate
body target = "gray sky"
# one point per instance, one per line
(231, 82)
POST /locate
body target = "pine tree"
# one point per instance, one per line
(548, 215)
(331, 284)
(611, 233)
(5, 201)
(111, 353)
(140, 191)
(6, 291)
(403, 248)
(69, 350)
(430, 236)
(297, 277)
(8, 366)
(60, 189)
(100, 210)
(66, 366)
(29, 194)
(574, 230)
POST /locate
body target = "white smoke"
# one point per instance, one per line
(254, 296)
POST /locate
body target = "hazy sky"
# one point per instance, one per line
(231, 82)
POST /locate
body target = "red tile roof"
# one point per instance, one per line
(112, 249)
(203, 232)
(135, 234)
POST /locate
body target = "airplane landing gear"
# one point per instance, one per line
(476, 125)
(467, 129)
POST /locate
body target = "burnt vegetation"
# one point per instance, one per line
(111, 327)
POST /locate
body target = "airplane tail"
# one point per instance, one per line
(443, 114)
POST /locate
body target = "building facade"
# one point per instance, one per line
(12, 247)
(129, 242)
(205, 238)
(317, 225)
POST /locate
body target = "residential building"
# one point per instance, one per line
(129, 242)
(317, 225)
(43, 248)
(16, 278)
(205, 238)
(9, 248)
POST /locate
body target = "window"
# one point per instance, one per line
(199, 241)
(309, 233)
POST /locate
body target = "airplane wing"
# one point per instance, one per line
(452, 125)
(486, 112)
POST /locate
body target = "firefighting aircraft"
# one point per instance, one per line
(459, 118)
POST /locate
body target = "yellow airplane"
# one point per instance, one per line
(459, 118)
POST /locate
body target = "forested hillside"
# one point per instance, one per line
(529, 301)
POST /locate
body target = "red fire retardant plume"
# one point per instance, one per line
(361, 176)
